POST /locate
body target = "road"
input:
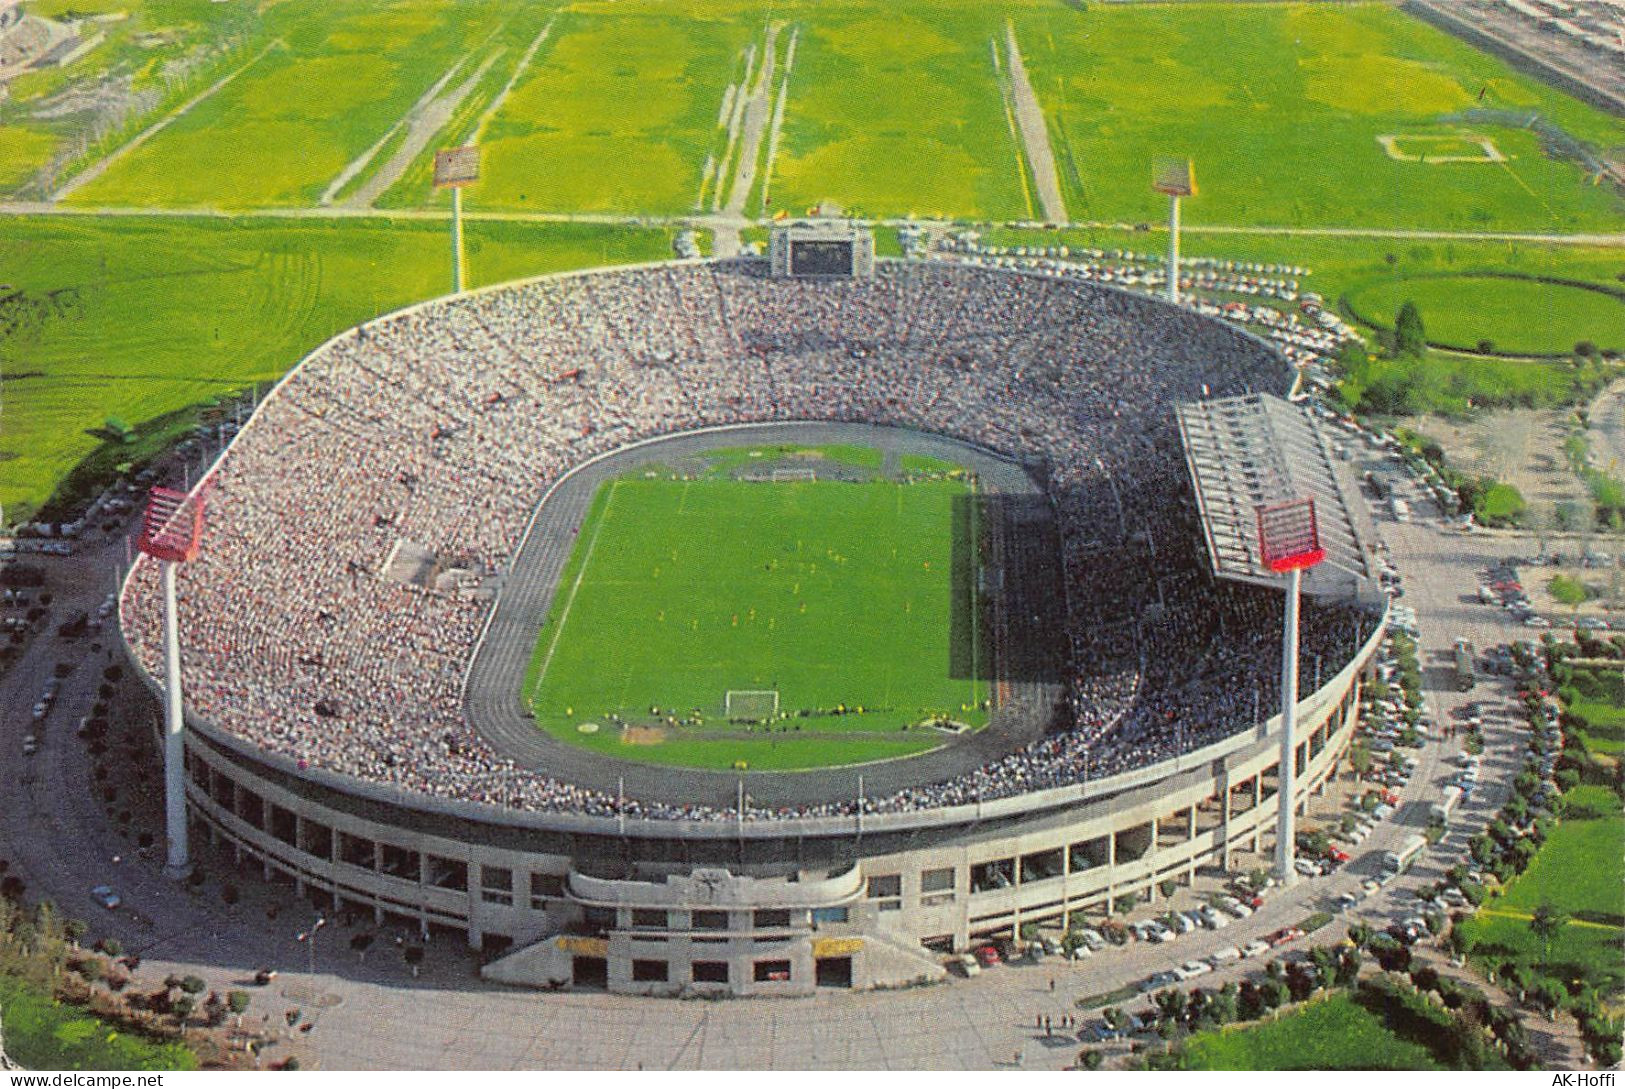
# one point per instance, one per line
(712, 221)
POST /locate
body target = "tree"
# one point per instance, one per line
(1546, 923)
(1409, 337)
(1360, 933)
(1171, 1005)
(1274, 993)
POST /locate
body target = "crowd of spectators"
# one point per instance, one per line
(443, 425)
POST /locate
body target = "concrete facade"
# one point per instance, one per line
(757, 907)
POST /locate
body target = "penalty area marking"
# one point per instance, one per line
(1490, 153)
(569, 603)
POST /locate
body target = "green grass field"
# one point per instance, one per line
(338, 79)
(616, 111)
(834, 592)
(44, 1035)
(895, 110)
(1283, 126)
(1580, 870)
(1335, 1034)
(154, 315)
(1518, 316)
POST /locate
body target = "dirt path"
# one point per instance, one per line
(778, 119)
(513, 80)
(1034, 131)
(422, 124)
(100, 167)
(736, 117)
(362, 161)
(756, 110)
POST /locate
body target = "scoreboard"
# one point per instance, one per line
(821, 250)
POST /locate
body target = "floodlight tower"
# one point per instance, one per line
(1289, 544)
(455, 168)
(171, 532)
(1176, 178)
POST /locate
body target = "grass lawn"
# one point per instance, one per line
(44, 1035)
(142, 317)
(895, 109)
(617, 110)
(1580, 870)
(1335, 1034)
(1284, 131)
(279, 133)
(828, 592)
(1519, 316)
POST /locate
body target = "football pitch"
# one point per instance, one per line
(852, 599)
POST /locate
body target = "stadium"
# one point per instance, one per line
(396, 539)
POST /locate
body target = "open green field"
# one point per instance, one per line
(1518, 316)
(1581, 871)
(1597, 698)
(1335, 1034)
(337, 77)
(895, 109)
(140, 318)
(851, 594)
(1284, 125)
(616, 111)
(44, 1035)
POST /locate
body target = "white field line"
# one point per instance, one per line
(502, 95)
(98, 168)
(1034, 133)
(778, 118)
(569, 604)
(361, 162)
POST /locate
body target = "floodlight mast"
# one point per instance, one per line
(171, 532)
(1289, 544)
(1176, 178)
(455, 168)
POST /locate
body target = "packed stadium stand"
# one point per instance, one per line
(331, 737)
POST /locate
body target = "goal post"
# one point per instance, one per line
(781, 476)
(751, 704)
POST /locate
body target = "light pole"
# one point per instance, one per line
(171, 533)
(1175, 178)
(455, 168)
(1288, 544)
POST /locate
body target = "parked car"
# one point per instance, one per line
(1284, 935)
(106, 897)
(1193, 968)
(1255, 947)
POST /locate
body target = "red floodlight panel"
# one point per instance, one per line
(1289, 536)
(172, 528)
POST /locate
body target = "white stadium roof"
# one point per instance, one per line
(1254, 450)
